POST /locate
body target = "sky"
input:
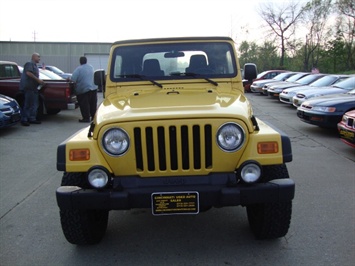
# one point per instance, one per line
(114, 20)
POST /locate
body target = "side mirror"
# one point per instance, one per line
(99, 79)
(250, 71)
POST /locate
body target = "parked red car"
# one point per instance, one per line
(269, 74)
(346, 128)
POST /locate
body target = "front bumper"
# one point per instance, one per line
(285, 99)
(255, 88)
(274, 93)
(347, 135)
(319, 119)
(137, 192)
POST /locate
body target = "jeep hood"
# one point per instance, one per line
(173, 104)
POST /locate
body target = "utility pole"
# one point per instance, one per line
(34, 35)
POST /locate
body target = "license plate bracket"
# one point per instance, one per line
(175, 203)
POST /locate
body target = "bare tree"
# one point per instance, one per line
(282, 21)
(315, 17)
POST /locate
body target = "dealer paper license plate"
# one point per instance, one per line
(172, 203)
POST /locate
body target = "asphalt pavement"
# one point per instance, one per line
(322, 229)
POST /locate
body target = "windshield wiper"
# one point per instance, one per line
(190, 74)
(142, 77)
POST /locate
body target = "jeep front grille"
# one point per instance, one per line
(171, 148)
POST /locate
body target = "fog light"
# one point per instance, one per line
(98, 177)
(250, 172)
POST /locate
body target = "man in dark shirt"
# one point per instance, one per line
(29, 85)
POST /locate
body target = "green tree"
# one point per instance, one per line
(248, 52)
(267, 57)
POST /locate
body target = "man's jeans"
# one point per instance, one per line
(29, 111)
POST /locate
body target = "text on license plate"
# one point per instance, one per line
(347, 134)
(171, 203)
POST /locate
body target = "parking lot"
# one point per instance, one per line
(322, 230)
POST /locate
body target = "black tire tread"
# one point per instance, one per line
(82, 227)
(271, 220)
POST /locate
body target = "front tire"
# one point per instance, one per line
(270, 220)
(82, 227)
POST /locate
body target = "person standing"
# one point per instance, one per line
(29, 85)
(85, 89)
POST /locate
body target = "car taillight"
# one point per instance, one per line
(67, 93)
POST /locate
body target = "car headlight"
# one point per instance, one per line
(115, 141)
(324, 109)
(230, 137)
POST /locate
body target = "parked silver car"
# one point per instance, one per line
(287, 94)
(341, 87)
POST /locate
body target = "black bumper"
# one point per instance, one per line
(320, 119)
(279, 190)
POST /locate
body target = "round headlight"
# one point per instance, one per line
(250, 172)
(98, 178)
(115, 141)
(230, 137)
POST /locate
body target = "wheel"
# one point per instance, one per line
(82, 227)
(270, 220)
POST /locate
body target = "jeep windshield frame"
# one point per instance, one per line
(173, 60)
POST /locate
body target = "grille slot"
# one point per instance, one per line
(172, 148)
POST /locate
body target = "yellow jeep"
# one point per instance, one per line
(175, 134)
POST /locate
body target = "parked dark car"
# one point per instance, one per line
(327, 111)
(10, 113)
(56, 70)
(346, 128)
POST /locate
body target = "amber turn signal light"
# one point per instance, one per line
(79, 155)
(268, 147)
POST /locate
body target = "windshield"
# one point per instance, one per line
(308, 79)
(295, 77)
(49, 75)
(171, 61)
(261, 74)
(283, 76)
(56, 70)
(347, 84)
(324, 81)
